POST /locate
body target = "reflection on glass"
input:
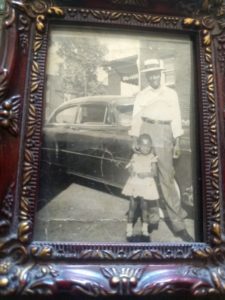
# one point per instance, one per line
(104, 92)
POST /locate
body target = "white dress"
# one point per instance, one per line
(137, 186)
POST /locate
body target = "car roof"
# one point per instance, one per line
(113, 99)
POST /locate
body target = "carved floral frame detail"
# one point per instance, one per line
(28, 267)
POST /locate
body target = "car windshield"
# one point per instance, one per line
(124, 114)
(92, 113)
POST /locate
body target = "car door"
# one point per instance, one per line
(55, 143)
(85, 140)
(121, 148)
(117, 149)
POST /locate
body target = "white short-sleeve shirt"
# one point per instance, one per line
(157, 104)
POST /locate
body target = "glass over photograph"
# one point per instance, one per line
(119, 156)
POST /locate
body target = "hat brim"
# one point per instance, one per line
(152, 70)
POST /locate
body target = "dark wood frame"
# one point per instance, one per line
(28, 267)
(2, 8)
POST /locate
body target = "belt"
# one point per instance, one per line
(156, 121)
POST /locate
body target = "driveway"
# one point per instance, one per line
(82, 214)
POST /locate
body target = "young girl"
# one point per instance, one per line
(141, 186)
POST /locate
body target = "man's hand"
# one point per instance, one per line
(176, 149)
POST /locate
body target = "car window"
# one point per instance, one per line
(92, 113)
(124, 114)
(67, 115)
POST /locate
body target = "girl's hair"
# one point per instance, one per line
(144, 137)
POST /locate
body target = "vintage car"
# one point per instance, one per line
(88, 137)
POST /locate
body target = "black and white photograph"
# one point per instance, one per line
(119, 147)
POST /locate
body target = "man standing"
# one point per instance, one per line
(157, 113)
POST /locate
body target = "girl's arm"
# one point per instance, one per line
(129, 166)
(154, 169)
(154, 161)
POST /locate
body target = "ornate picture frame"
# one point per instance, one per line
(105, 269)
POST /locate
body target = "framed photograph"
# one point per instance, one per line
(91, 126)
(111, 153)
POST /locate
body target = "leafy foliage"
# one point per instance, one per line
(82, 58)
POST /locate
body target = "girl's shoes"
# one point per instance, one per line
(143, 238)
(145, 229)
(145, 234)
(129, 232)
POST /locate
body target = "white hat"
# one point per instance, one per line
(152, 65)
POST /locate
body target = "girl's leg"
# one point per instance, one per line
(130, 220)
(144, 210)
(154, 217)
(145, 218)
(132, 209)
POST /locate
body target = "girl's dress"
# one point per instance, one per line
(137, 186)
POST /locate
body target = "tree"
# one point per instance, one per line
(82, 58)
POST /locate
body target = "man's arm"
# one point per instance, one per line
(176, 149)
(176, 123)
(136, 119)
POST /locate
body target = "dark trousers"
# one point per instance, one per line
(162, 139)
